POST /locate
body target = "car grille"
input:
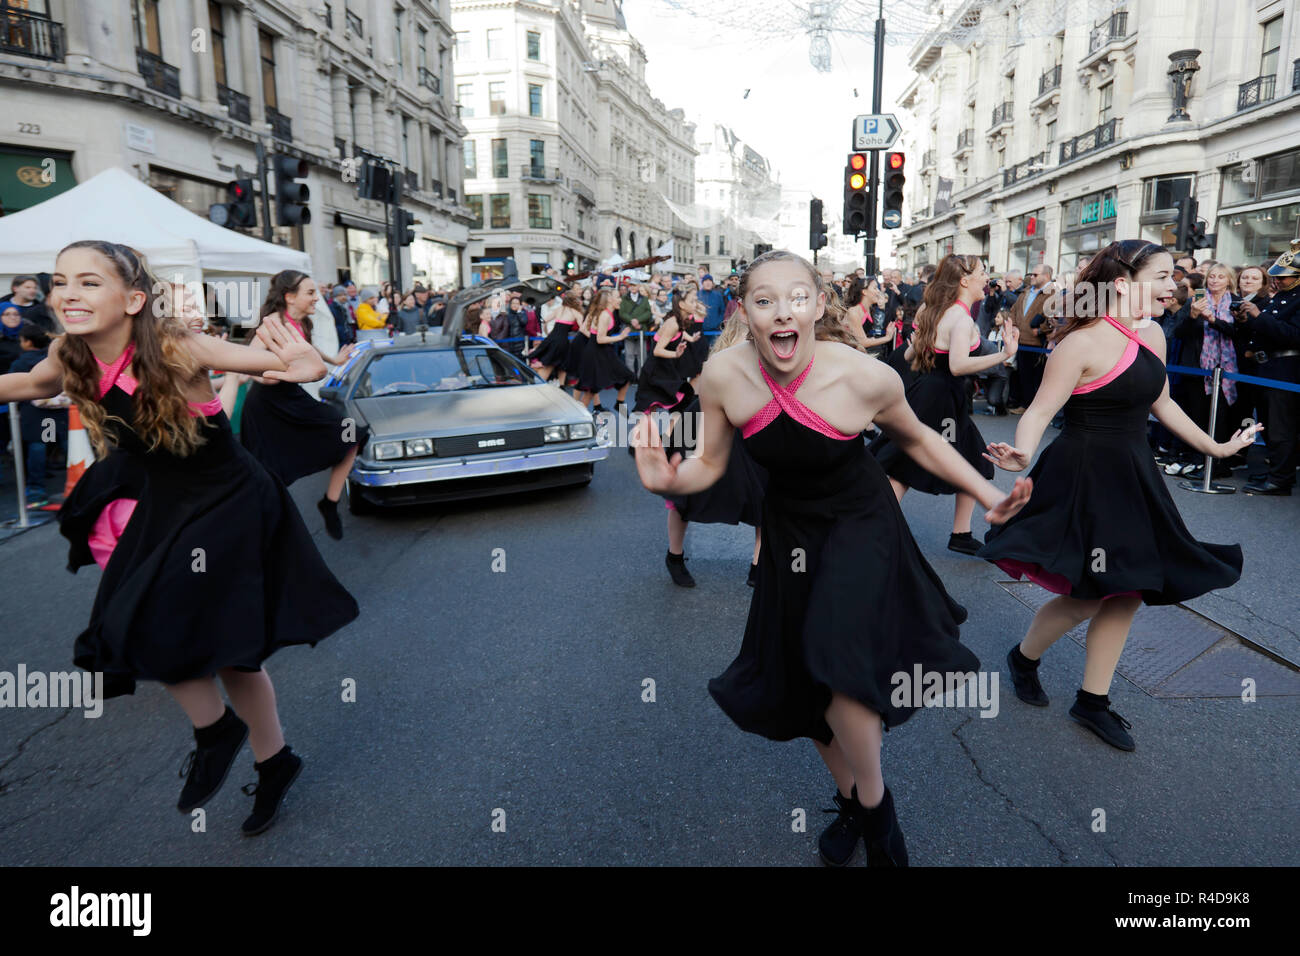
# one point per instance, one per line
(458, 445)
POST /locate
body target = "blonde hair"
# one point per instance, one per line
(1213, 264)
(830, 327)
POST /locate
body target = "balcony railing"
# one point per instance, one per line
(411, 180)
(1002, 114)
(1096, 138)
(1114, 27)
(965, 140)
(157, 75)
(929, 158)
(1295, 76)
(1051, 80)
(430, 80)
(583, 191)
(281, 125)
(538, 174)
(26, 34)
(1022, 171)
(1259, 90)
(451, 194)
(235, 103)
(435, 187)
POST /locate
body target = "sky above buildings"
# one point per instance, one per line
(798, 118)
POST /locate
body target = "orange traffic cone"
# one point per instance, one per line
(80, 455)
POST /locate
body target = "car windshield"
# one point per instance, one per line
(446, 370)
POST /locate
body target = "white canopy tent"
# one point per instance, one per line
(179, 245)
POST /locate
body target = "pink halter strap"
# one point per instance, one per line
(110, 374)
(1130, 333)
(783, 400)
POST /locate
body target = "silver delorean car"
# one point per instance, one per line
(455, 416)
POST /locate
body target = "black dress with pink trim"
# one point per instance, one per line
(206, 561)
(578, 346)
(555, 347)
(817, 621)
(601, 366)
(1100, 522)
(942, 401)
(736, 497)
(293, 434)
(662, 383)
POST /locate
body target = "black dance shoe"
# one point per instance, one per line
(1105, 723)
(1268, 488)
(330, 512)
(1024, 677)
(839, 841)
(274, 775)
(208, 765)
(881, 833)
(677, 569)
(964, 543)
(752, 579)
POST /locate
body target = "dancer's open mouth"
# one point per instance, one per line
(784, 343)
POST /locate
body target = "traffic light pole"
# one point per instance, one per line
(266, 193)
(873, 180)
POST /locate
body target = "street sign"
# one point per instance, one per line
(875, 131)
(892, 219)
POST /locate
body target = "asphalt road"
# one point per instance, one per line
(521, 691)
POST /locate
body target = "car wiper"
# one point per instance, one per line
(401, 391)
(496, 384)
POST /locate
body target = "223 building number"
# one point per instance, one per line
(32, 128)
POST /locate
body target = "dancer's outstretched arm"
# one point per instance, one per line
(286, 355)
(1060, 377)
(674, 476)
(1177, 421)
(932, 452)
(45, 380)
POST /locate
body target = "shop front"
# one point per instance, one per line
(1259, 209)
(1027, 245)
(362, 249)
(1087, 227)
(434, 264)
(28, 177)
(1160, 198)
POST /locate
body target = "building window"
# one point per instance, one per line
(423, 40)
(354, 22)
(471, 160)
(1272, 47)
(465, 99)
(475, 204)
(147, 34)
(1105, 104)
(497, 99)
(534, 99)
(218, 42)
(539, 211)
(266, 46)
(500, 210)
(406, 143)
(1051, 134)
(500, 159)
(534, 45)
(397, 30)
(706, 244)
(329, 16)
(464, 45)
(537, 157)
(1162, 195)
(494, 50)
(1276, 175)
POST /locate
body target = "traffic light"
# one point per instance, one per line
(402, 228)
(240, 208)
(761, 247)
(816, 227)
(570, 259)
(290, 195)
(1183, 224)
(1198, 237)
(855, 195)
(375, 181)
(891, 216)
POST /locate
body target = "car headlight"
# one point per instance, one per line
(386, 450)
(419, 448)
(555, 433)
(583, 430)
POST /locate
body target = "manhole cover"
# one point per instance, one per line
(1174, 652)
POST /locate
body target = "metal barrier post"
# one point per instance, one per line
(16, 435)
(640, 347)
(1205, 486)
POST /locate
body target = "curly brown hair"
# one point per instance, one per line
(162, 363)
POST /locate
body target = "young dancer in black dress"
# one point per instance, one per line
(601, 366)
(940, 355)
(822, 640)
(549, 357)
(287, 430)
(208, 567)
(1102, 531)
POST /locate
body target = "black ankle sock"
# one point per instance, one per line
(274, 759)
(1092, 701)
(678, 558)
(326, 503)
(1023, 662)
(876, 820)
(209, 735)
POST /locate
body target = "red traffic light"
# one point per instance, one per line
(894, 160)
(237, 191)
(857, 161)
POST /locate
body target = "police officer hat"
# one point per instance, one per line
(1286, 264)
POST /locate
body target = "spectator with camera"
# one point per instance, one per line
(1028, 315)
(1209, 336)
